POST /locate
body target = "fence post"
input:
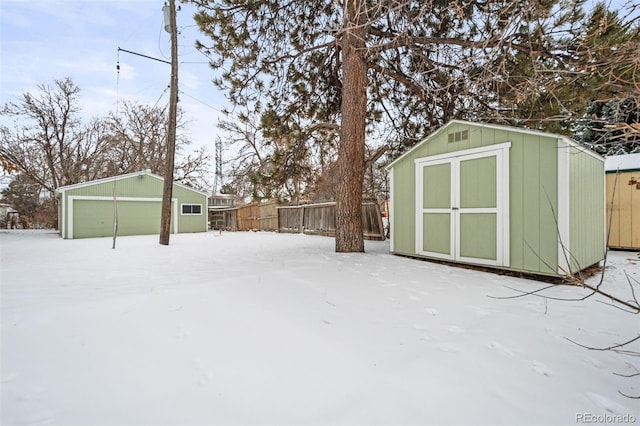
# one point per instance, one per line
(301, 225)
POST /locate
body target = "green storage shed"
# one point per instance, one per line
(86, 209)
(506, 197)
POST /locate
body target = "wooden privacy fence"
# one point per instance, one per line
(319, 219)
(257, 217)
(312, 219)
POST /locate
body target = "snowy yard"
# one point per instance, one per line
(263, 328)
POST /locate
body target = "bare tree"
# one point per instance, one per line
(44, 139)
(47, 140)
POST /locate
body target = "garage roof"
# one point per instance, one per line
(147, 172)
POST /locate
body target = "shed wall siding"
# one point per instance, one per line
(586, 209)
(403, 218)
(533, 201)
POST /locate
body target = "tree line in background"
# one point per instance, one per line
(320, 88)
(322, 93)
(45, 144)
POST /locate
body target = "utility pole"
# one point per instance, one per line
(167, 192)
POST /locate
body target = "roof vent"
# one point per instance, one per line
(458, 136)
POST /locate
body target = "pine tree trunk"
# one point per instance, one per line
(349, 235)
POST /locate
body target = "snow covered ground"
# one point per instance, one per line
(263, 328)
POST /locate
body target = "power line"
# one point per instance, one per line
(202, 102)
(144, 56)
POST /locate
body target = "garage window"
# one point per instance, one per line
(191, 209)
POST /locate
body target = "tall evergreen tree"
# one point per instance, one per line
(611, 128)
(607, 52)
(396, 66)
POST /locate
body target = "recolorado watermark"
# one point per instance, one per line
(605, 418)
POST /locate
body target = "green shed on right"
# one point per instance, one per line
(499, 196)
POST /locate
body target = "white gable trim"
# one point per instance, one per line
(496, 127)
(63, 189)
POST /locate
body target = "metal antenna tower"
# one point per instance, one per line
(217, 184)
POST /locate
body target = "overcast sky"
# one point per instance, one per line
(45, 40)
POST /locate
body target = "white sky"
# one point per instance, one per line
(45, 40)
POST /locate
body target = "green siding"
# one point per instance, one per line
(436, 235)
(478, 235)
(548, 202)
(404, 215)
(190, 223)
(586, 209)
(437, 188)
(516, 203)
(478, 182)
(142, 185)
(533, 199)
(94, 218)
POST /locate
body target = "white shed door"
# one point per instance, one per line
(462, 206)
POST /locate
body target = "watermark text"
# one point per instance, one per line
(605, 418)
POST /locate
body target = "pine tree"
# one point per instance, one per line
(396, 68)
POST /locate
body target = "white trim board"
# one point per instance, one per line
(143, 173)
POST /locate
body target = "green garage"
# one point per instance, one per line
(500, 196)
(87, 209)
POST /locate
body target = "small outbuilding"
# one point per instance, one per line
(623, 201)
(87, 209)
(510, 198)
